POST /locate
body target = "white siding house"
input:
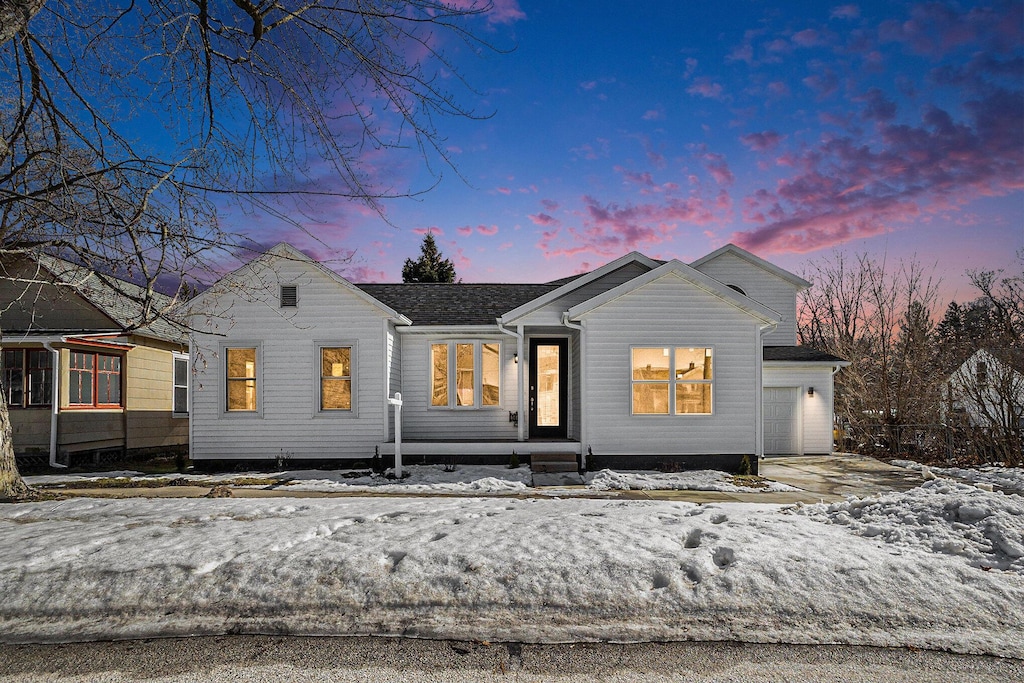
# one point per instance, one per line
(637, 363)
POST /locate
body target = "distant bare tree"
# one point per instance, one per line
(124, 126)
(877, 316)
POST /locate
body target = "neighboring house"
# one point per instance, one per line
(78, 379)
(637, 363)
(987, 390)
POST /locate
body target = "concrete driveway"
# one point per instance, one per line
(834, 477)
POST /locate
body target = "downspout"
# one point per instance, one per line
(583, 386)
(54, 402)
(759, 399)
(521, 399)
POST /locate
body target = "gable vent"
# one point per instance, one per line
(289, 296)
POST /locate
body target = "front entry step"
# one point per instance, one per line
(555, 469)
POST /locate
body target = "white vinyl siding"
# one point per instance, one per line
(761, 286)
(670, 308)
(551, 314)
(290, 422)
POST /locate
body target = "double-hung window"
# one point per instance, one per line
(465, 374)
(94, 380)
(335, 378)
(241, 379)
(28, 377)
(672, 380)
(180, 395)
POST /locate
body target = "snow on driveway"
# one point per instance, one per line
(936, 567)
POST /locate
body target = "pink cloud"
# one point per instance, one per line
(807, 38)
(504, 190)
(588, 85)
(434, 230)
(706, 88)
(549, 204)
(844, 189)
(504, 246)
(487, 230)
(845, 12)
(543, 219)
(653, 115)
(762, 142)
(498, 11)
(778, 89)
(717, 166)
(635, 177)
(364, 274)
(465, 231)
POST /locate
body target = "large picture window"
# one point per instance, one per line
(241, 379)
(465, 374)
(336, 378)
(94, 380)
(672, 380)
(28, 377)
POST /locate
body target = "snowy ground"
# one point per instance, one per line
(464, 479)
(1009, 478)
(941, 567)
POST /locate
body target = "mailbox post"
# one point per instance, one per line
(397, 403)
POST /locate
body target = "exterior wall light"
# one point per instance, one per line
(810, 391)
(515, 358)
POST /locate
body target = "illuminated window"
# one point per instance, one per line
(473, 368)
(241, 378)
(336, 378)
(672, 380)
(94, 379)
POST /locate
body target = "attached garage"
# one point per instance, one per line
(796, 400)
(781, 421)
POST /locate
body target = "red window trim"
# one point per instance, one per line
(95, 373)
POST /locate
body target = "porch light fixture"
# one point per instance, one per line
(810, 391)
(515, 358)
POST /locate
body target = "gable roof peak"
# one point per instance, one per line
(753, 259)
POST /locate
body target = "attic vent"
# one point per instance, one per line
(289, 296)
(737, 289)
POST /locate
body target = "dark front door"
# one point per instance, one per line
(549, 384)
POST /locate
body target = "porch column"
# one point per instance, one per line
(520, 369)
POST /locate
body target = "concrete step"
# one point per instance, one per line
(554, 466)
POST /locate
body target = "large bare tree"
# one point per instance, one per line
(878, 316)
(125, 126)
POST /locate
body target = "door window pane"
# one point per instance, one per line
(439, 374)
(548, 382)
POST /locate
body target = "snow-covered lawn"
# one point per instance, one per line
(1011, 478)
(941, 566)
(419, 479)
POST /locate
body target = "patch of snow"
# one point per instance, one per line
(694, 480)
(895, 570)
(1010, 478)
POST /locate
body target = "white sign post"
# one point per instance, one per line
(397, 403)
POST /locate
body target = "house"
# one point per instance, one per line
(987, 390)
(635, 364)
(80, 377)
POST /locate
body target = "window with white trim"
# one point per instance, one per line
(672, 380)
(179, 397)
(465, 374)
(241, 379)
(335, 378)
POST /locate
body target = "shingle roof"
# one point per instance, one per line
(455, 304)
(799, 354)
(122, 305)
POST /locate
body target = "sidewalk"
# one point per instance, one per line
(821, 479)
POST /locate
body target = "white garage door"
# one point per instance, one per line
(780, 421)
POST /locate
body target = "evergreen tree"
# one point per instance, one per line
(431, 266)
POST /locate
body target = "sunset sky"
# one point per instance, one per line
(791, 129)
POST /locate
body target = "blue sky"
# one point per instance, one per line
(672, 128)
